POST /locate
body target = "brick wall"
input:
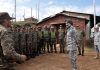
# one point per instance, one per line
(60, 20)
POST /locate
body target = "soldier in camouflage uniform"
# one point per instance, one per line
(7, 52)
(71, 43)
(61, 39)
(80, 35)
(30, 41)
(27, 43)
(34, 49)
(97, 42)
(40, 41)
(46, 37)
(53, 39)
(17, 40)
(23, 40)
(35, 42)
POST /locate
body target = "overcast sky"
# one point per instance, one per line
(47, 7)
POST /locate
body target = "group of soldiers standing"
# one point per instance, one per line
(38, 40)
(34, 41)
(24, 41)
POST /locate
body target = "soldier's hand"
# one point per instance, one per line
(23, 58)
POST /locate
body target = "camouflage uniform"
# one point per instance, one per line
(71, 41)
(46, 37)
(23, 41)
(53, 40)
(27, 46)
(30, 42)
(80, 36)
(8, 52)
(34, 43)
(97, 42)
(17, 40)
(61, 40)
(41, 48)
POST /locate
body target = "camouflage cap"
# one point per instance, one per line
(5, 15)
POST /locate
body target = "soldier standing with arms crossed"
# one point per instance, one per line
(7, 52)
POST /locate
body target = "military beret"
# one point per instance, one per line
(5, 15)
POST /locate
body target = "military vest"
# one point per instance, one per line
(53, 34)
(45, 34)
(40, 34)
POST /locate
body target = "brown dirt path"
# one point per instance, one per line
(57, 61)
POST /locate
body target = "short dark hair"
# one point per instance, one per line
(69, 21)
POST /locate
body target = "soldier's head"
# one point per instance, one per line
(96, 28)
(34, 28)
(15, 29)
(18, 29)
(31, 29)
(52, 28)
(45, 27)
(60, 27)
(23, 29)
(77, 27)
(69, 23)
(39, 28)
(5, 19)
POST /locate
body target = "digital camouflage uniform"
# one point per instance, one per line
(71, 42)
(8, 52)
(97, 43)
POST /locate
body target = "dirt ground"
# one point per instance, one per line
(57, 61)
